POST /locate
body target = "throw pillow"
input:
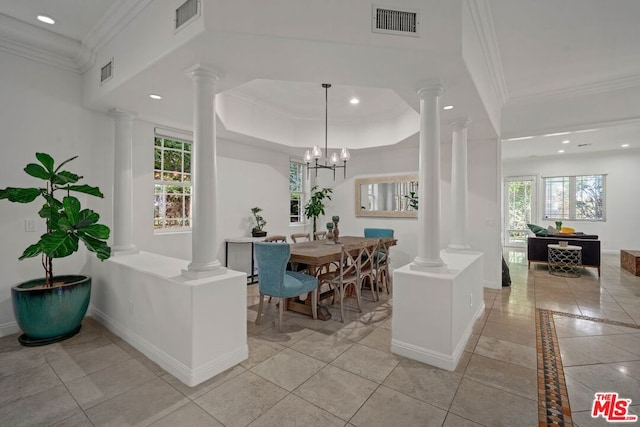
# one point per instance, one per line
(552, 231)
(537, 230)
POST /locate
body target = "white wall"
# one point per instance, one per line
(41, 111)
(622, 167)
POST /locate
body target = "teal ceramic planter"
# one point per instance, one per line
(48, 315)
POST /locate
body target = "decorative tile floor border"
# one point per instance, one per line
(553, 399)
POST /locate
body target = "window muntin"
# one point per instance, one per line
(296, 192)
(577, 198)
(172, 184)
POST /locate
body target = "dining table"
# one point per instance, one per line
(317, 254)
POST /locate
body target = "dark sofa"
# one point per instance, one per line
(537, 250)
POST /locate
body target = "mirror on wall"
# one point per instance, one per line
(387, 196)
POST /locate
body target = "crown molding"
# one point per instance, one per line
(574, 128)
(117, 17)
(620, 83)
(483, 22)
(32, 42)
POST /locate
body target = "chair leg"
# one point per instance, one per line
(259, 309)
(340, 292)
(314, 303)
(355, 285)
(280, 314)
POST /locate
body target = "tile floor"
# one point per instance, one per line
(327, 373)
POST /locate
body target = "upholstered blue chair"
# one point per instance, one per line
(275, 281)
(378, 232)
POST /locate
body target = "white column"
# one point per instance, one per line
(459, 185)
(429, 180)
(204, 239)
(123, 183)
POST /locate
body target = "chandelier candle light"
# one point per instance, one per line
(330, 163)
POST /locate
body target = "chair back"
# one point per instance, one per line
(276, 239)
(271, 259)
(320, 235)
(378, 232)
(300, 237)
(350, 261)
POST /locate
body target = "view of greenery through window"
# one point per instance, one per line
(575, 197)
(172, 176)
(296, 192)
(519, 209)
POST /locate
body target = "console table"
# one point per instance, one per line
(565, 261)
(630, 261)
(252, 277)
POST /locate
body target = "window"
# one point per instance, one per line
(296, 192)
(579, 197)
(172, 179)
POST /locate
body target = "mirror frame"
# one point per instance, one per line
(378, 180)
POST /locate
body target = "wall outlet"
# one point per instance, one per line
(30, 225)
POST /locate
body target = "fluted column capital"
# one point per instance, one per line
(430, 88)
(460, 123)
(201, 71)
(119, 113)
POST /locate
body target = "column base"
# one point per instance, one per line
(201, 272)
(457, 248)
(428, 265)
(124, 250)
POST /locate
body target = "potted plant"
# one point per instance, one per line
(315, 207)
(51, 309)
(257, 230)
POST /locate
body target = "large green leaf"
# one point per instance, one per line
(64, 225)
(87, 217)
(55, 203)
(66, 177)
(98, 231)
(20, 195)
(37, 171)
(31, 251)
(87, 189)
(71, 209)
(59, 244)
(98, 246)
(47, 161)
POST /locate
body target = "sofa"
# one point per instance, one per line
(537, 250)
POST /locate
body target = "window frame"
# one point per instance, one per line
(570, 197)
(187, 185)
(302, 191)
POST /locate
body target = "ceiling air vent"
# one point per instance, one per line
(399, 22)
(187, 12)
(106, 71)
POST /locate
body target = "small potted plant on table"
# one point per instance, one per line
(257, 230)
(50, 309)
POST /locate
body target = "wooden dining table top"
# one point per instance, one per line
(321, 252)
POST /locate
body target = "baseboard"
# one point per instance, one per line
(9, 328)
(434, 358)
(187, 375)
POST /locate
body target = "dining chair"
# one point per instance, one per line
(368, 268)
(275, 281)
(301, 237)
(378, 232)
(276, 238)
(348, 273)
(382, 255)
(320, 235)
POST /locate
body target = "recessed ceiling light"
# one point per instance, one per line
(448, 107)
(354, 101)
(625, 145)
(566, 141)
(557, 134)
(154, 96)
(560, 151)
(46, 19)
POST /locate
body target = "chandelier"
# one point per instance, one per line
(330, 162)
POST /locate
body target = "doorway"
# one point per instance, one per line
(520, 208)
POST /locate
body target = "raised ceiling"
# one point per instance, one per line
(545, 47)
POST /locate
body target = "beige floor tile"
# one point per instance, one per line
(505, 376)
(290, 334)
(69, 367)
(190, 415)
(352, 331)
(337, 391)
(604, 378)
(15, 358)
(43, 408)
(260, 350)
(293, 411)
(387, 407)
(103, 385)
(322, 346)
(26, 383)
(241, 400)
(506, 351)
(580, 327)
(510, 332)
(628, 342)
(492, 407)
(142, 405)
(580, 396)
(79, 420)
(630, 369)
(590, 350)
(424, 382)
(380, 339)
(86, 340)
(288, 369)
(197, 391)
(454, 420)
(372, 364)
